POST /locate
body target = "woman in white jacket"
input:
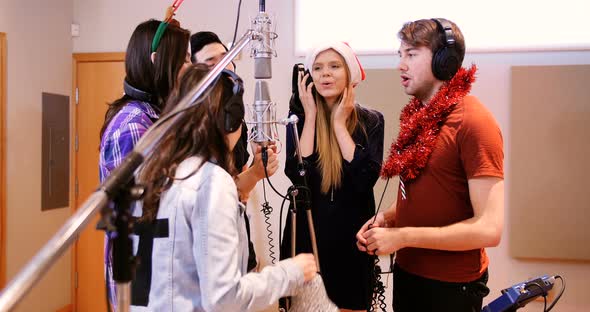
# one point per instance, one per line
(191, 235)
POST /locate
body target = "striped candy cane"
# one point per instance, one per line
(402, 187)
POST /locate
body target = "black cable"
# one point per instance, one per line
(285, 198)
(264, 163)
(237, 23)
(281, 224)
(545, 305)
(558, 295)
(378, 297)
(267, 210)
(262, 5)
(543, 293)
(264, 157)
(380, 201)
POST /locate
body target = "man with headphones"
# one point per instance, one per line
(207, 48)
(449, 159)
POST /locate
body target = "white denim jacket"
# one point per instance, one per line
(201, 264)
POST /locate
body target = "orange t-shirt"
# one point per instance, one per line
(469, 145)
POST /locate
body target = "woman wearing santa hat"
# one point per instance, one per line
(341, 143)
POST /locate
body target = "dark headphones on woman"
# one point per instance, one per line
(233, 108)
(137, 94)
(445, 60)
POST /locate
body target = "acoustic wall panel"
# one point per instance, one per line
(549, 195)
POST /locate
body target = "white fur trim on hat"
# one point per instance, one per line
(357, 74)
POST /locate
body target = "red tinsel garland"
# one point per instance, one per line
(420, 126)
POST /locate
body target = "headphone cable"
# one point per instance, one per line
(237, 23)
(378, 297)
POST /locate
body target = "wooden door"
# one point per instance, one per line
(99, 80)
(3, 84)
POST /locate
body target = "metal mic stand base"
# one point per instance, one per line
(294, 191)
(123, 261)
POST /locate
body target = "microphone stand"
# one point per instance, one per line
(294, 191)
(123, 260)
(98, 201)
(306, 194)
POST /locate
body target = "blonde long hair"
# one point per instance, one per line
(327, 148)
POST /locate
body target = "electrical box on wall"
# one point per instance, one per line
(75, 30)
(55, 150)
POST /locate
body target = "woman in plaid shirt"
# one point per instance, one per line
(152, 66)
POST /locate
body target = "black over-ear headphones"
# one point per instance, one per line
(234, 107)
(446, 60)
(136, 94)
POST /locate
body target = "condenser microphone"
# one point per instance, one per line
(263, 110)
(262, 47)
(263, 114)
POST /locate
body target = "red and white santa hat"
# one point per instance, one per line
(357, 74)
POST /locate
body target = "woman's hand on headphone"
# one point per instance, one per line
(345, 107)
(306, 95)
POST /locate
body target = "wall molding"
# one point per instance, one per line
(3, 91)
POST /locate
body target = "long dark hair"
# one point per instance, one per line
(158, 78)
(199, 132)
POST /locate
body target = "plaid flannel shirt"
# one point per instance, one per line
(118, 140)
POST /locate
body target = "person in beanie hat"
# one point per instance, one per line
(207, 48)
(341, 144)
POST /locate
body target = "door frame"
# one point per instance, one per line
(3, 91)
(78, 58)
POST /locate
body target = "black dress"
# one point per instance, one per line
(339, 214)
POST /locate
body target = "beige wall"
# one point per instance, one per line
(39, 60)
(493, 87)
